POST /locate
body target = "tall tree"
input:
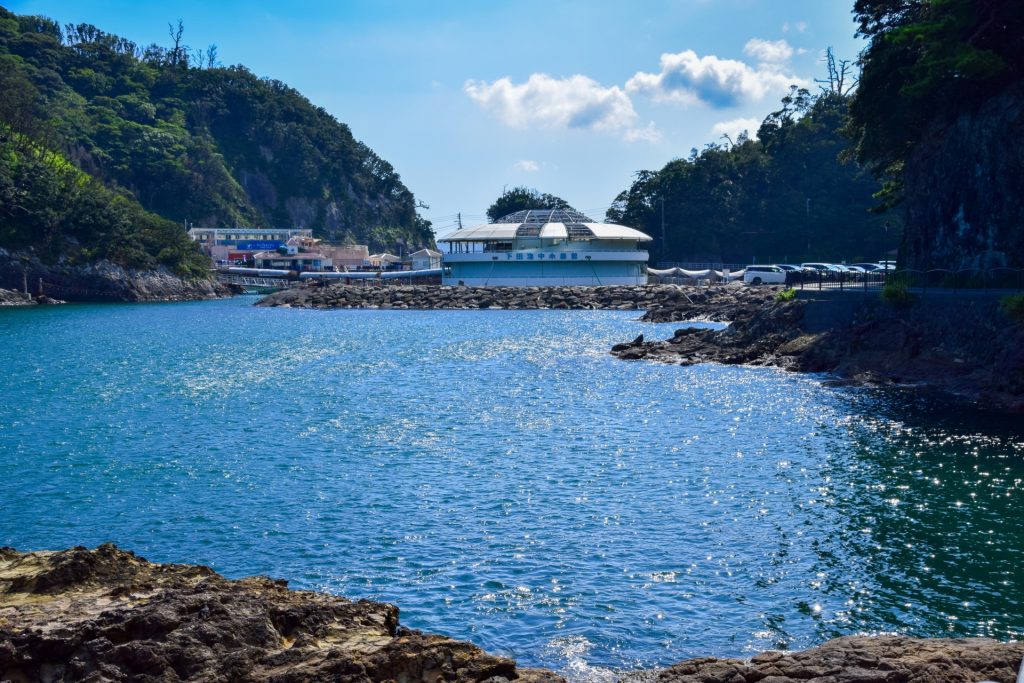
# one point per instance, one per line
(521, 198)
(926, 62)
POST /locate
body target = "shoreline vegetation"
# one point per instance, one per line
(108, 614)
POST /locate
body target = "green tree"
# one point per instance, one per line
(926, 62)
(522, 198)
(782, 196)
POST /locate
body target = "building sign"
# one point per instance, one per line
(258, 245)
(551, 257)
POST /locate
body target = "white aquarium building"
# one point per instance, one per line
(545, 247)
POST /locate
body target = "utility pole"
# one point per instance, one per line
(459, 214)
(664, 250)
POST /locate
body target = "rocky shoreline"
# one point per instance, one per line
(10, 297)
(611, 297)
(107, 614)
(961, 344)
(100, 282)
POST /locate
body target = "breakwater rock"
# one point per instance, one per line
(961, 343)
(109, 615)
(445, 297)
(863, 659)
(101, 281)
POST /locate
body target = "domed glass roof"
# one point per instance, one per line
(545, 224)
(545, 216)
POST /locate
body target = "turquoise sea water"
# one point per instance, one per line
(504, 480)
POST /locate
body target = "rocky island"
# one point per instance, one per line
(106, 615)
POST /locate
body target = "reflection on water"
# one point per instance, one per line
(504, 480)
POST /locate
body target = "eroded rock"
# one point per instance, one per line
(864, 659)
(107, 614)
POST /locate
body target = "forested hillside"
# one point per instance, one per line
(939, 116)
(784, 196)
(187, 139)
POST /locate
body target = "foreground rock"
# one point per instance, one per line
(102, 281)
(858, 659)
(443, 297)
(961, 344)
(108, 615)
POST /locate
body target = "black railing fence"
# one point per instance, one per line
(999, 280)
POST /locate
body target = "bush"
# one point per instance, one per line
(1013, 307)
(786, 295)
(896, 294)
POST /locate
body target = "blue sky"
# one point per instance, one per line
(465, 98)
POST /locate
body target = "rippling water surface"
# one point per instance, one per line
(504, 480)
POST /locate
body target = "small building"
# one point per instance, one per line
(545, 247)
(299, 261)
(346, 256)
(383, 261)
(238, 244)
(425, 259)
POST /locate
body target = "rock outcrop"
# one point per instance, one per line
(961, 344)
(861, 659)
(101, 282)
(109, 615)
(444, 297)
(964, 182)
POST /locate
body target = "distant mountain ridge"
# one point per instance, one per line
(192, 141)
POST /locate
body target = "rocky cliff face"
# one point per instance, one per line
(964, 184)
(102, 281)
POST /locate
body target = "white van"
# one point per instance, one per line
(770, 275)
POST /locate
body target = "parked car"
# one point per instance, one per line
(794, 274)
(772, 275)
(868, 267)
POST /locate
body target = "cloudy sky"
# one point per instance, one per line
(465, 98)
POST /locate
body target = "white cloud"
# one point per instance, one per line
(648, 133)
(800, 27)
(720, 83)
(527, 166)
(735, 127)
(768, 51)
(575, 102)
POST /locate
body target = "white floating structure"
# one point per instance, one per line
(545, 247)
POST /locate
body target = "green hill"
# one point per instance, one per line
(167, 135)
(784, 196)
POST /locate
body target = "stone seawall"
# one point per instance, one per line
(714, 301)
